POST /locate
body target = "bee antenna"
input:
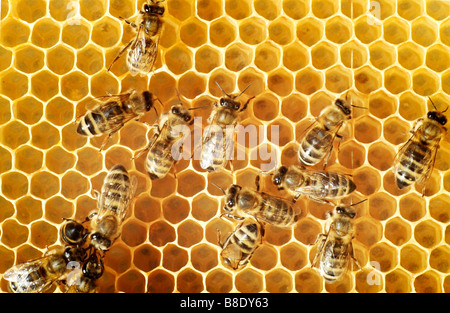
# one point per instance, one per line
(178, 95)
(434, 105)
(359, 107)
(223, 91)
(358, 202)
(245, 89)
(201, 107)
(221, 189)
(264, 173)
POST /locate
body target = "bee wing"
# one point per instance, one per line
(20, 274)
(144, 51)
(429, 165)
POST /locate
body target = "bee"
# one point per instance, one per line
(262, 206)
(335, 248)
(415, 160)
(143, 48)
(113, 203)
(38, 275)
(92, 270)
(317, 143)
(239, 246)
(73, 233)
(111, 114)
(159, 158)
(216, 144)
(317, 185)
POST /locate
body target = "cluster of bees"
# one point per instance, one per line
(250, 208)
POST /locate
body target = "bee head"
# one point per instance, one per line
(153, 9)
(346, 211)
(279, 175)
(231, 197)
(230, 103)
(74, 254)
(100, 242)
(343, 106)
(438, 117)
(93, 268)
(181, 113)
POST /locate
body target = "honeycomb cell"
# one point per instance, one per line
(412, 207)
(424, 31)
(249, 280)
(209, 10)
(281, 82)
(119, 257)
(444, 32)
(439, 257)
(46, 33)
(308, 280)
(351, 154)
(28, 109)
(57, 208)
(180, 9)
(308, 81)
(438, 9)
(132, 281)
(294, 107)
(265, 107)
(13, 84)
(191, 85)
(60, 59)
(193, 32)
(428, 282)
(410, 55)
(178, 59)
(219, 281)
(396, 30)
(28, 210)
(14, 32)
(437, 58)
(92, 9)
(5, 58)
(207, 58)
(267, 56)
(385, 256)
(427, 233)
(338, 29)
(5, 160)
(14, 185)
(76, 35)
(368, 281)
(14, 234)
(28, 159)
(89, 161)
(381, 156)
(44, 85)
(411, 106)
(397, 231)
(74, 184)
(368, 231)
(281, 31)
(446, 82)
(59, 111)
(189, 233)
(222, 32)
(366, 31)
(409, 10)
(382, 206)
(203, 207)
(174, 257)
(397, 80)
(367, 79)
(238, 56)
(367, 180)
(280, 133)
(265, 257)
(324, 55)
(175, 209)
(44, 184)
(6, 209)
(74, 86)
(160, 281)
(161, 233)
(44, 135)
(146, 257)
(89, 59)
(353, 54)
(204, 257)
(295, 9)
(338, 79)
(58, 160)
(438, 208)
(293, 256)
(367, 129)
(295, 56)
(398, 281)
(29, 59)
(238, 9)
(43, 234)
(342, 286)
(396, 131)
(307, 230)
(278, 281)
(30, 11)
(14, 134)
(425, 82)
(309, 31)
(189, 281)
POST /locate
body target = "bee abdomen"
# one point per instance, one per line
(313, 146)
(92, 124)
(279, 213)
(158, 162)
(334, 185)
(410, 166)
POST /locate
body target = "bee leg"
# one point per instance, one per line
(128, 22)
(218, 238)
(246, 103)
(296, 197)
(355, 261)
(119, 55)
(257, 182)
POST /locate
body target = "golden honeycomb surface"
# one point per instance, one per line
(298, 56)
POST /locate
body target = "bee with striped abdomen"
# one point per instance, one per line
(317, 185)
(335, 249)
(144, 47)
(414, 162)
(239, 246)
(112, 113)
(113, 204)
(217, 141)
(73, 233)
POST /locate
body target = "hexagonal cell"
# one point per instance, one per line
(43, 234)
(249, 280)
(294, 9)
(385, 255)
(439, 208)
(424, 31)
(28, 159)
(5, 58)
(60, 59)
(439, 257)
(45, 33)
(44, 185)
(181, 9)
(222, 32)
(57, 208)
(398, 281)
(191, 85)
(14, 185)
(308, 81)
(427, 233)
(146, 257)
(428, 282)
(410, 55)
(368, 281)
(411, 106)
(397, 231)
(44, 85)
(13, 234)
(29, 59)
(278, 281)
(44, 135)
(281, 31)
(396, 131)
(409, 10)
(14, 32)
(193, 32)
(207, 58)
(295, 56)
(14, 134)
(367, 180)
(5, 160)
(324, 55)
(308, 280)
(367, 79)
(307, 230)
(189, 233)
(368, 231)
(59, 111)
(30, 11)
(161, 233)
(294, 107)
(338, 29)
(367, 129)
(382, 55)
(178, 59)
(89, 59)
(437, 58)
(267, 56)
(265, 107)
(338, 79)
(425, 82)
(438, 9)
(382, 206)
(189, 280)
(351, 154)
(366, 31)
(396, 30)
(293, 256)
(76, 35)
(219, 281)
(28, 210)
(119, 257)
(160, 281)
(353, 54)
(28, 109)
(309, 31)
(75, 85)
(281, 82)
(238, 9)
(175, 209)
(13, 84)
(59, 160)
(412, 207)
(174, 258)
(209, 10)
(280, 133)
(203, 207)
(381, 156)
(397, 80)
(204, 257)
(132, 281)
(237, 56)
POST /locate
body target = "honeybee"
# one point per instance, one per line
(159, 159)
(216, 144)
(143, 48)
(317, 143)
(92, 270)
(111, 114)
(38, 275)
(335, 248)
(73, 233)
(241, 201)
(317, 185)
(415, 160)
(113, 203)
(239, 246)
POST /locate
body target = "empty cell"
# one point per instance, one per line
(295, 56)
(438, 9)
(256, 80)
(14, 234)
(367, 180)
(60, 59)
(396, 131)
(368, 281)
(222, 31)
(427, 233)
(44, 184)
(438, 208)
(309, 31)
(89, 59)
(425, 82)
(353, 54)
(308, 280)
(381, 156)
(203, 207)
(278, 281)
(14, 32)
(191, 85)
(424, 31)
(161, 233)
(295, 9)
(280, 133)
(398, 281)
(45, 33)
(307, 230)
(28, 159)
(189, 233)
(119, 257)
(249, 280)
(281, 31)
(174, 258)
(44, 85)
(204, 257)
(124, 9)
(92, 9)
(58, 208)
(385, 255)
(190, 281)
(351, 154)
(338, 29)
(368, 231)
(207, 58)
(439, 259)
(367, 129)
(190, 183)
(269, 9)
(5, 58)
(58, 160)
(30, 11)
(175, 209)
(132, 281)
(180, 9)
(13, 84)
(265, 107)
(267, 56)
(382, 55)
(308, 81)
(342, 286)
(43, 234)
(133, 233)
(5, 160)
(409, 10)
(238, 9)
(324, 9)
(29, 59)
(294, 107)
(193, 32)
(28, 109)
(338, 79)
(438, 58)
(75, 85)
(59, 111)
(367, 31)
(219, 281)
(44, 135)
(14, 185)
(397, 231)
(146, 257)
(428, 282)
(412, 207)
(293, 256)
(89, 161)
(411, 106)
(396, 30)
(367, 79)
(324, 55)
(28, 210)
(209, 9)
(160, 281)
(178, 59)
(382, 206)
(410, 55)
(76, 35)
(238, 56)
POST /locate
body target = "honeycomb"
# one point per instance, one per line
(298, 57)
